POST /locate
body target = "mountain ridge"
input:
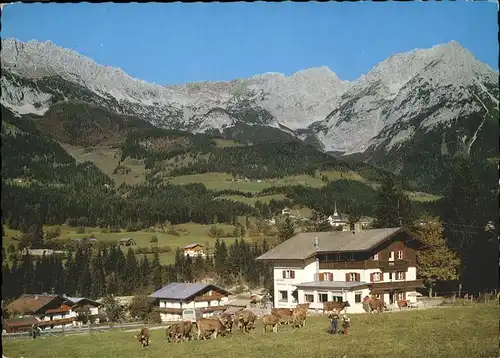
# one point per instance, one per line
(441, 92)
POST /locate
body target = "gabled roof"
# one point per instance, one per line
(79, 300)
(301, 245)
(31, 303)
(190, 246)
(183, 291)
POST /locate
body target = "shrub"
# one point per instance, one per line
(80, 230)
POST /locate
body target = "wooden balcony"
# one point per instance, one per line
(396, 285)
(342, 265)
(397, 265)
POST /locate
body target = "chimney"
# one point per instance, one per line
(357, 227)
(316, 243)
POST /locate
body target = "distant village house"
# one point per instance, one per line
(172, 299)
(194, 250)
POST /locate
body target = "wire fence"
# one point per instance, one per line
(464, 297)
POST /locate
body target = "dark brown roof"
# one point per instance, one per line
(18, 322)
(31, 303)
(301, 245)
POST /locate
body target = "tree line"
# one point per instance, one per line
(106, 270)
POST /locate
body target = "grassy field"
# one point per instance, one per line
(443, 332)
(106, 159)
(220, 181)
(251, 201)
(189, 233)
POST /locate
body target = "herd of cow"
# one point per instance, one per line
(246, 320)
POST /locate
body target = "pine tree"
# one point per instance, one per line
(437, 263)
(187, 270)
(319, 222)
(467, 207)
(394, 208)
(131, 276)
(156, 272)
(98, 287)
(286, 229)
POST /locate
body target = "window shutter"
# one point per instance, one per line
(347, 277)
(404, 252)
(358, 277)
(404, 275)
(292, 274)
(321, 276)
(331, 276)
(381, 276)
(371, 277)
(284, 274)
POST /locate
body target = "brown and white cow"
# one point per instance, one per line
(209, 325)
(245, 320)
(299, 314)
(334, 307)
(179, 331)
(270, 320)
(284, 314)
(403, 304)
(144, 337)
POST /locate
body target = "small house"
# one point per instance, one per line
(52, 310)
(194, 250)
(172, 299)
(126, 242)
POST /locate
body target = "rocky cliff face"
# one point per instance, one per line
(442, 95)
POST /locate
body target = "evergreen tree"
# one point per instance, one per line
(98, 287)
(156, 272)
(187, 270)
(393, 208)
(286, 229)
(319, 222)
(131, 275)
(467, 207)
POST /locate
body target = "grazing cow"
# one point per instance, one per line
(270, 320)
(246, 320)
(402, 303)
(209, 325)
(179, 331)
(284, 314)
(299, 315)
(375, 305)
(257, 300)
(143, 337)
(332, 306)
(227, 320)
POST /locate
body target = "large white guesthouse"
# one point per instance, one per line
(317, 267)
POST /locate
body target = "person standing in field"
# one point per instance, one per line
(346, 324)
(334, 327)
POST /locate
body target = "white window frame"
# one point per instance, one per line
(399, 255)
(400, 275)
(375, 257)
(281, 299)
(328, 276)
(391, 256)
(353, 276)
(320, 294)
(310, 295)
(288, 274)
(377, 276)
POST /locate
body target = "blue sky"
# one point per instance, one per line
(177, 43)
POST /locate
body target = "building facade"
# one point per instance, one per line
(194, 250)
(172, 299)
(345, 266)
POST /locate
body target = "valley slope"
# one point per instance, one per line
(410, 114)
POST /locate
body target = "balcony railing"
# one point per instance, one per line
(397, 285)
(394, 265)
